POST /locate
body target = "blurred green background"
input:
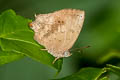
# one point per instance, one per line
(101, 30)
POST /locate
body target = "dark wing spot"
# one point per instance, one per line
(54, 27)
(60, 22)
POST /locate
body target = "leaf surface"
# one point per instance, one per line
(85, 74)
(114, 69)
(15, 35)
(9, 56)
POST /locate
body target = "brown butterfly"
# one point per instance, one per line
(58, 31)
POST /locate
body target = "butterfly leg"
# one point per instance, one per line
(55, 60)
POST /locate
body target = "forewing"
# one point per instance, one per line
(59, 30)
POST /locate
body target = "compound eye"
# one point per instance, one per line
(67, 54)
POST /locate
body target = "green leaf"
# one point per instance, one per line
(108, 56)
(15, 35)
(9, 56)
(85, 74)
(104, 78)
(113, 69)
(113, 76)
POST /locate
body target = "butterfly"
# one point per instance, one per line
(58, 31)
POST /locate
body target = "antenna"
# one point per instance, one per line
(79, 49)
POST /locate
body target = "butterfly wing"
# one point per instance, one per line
(59, 30)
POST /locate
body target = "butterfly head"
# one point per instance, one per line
(67, 54)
